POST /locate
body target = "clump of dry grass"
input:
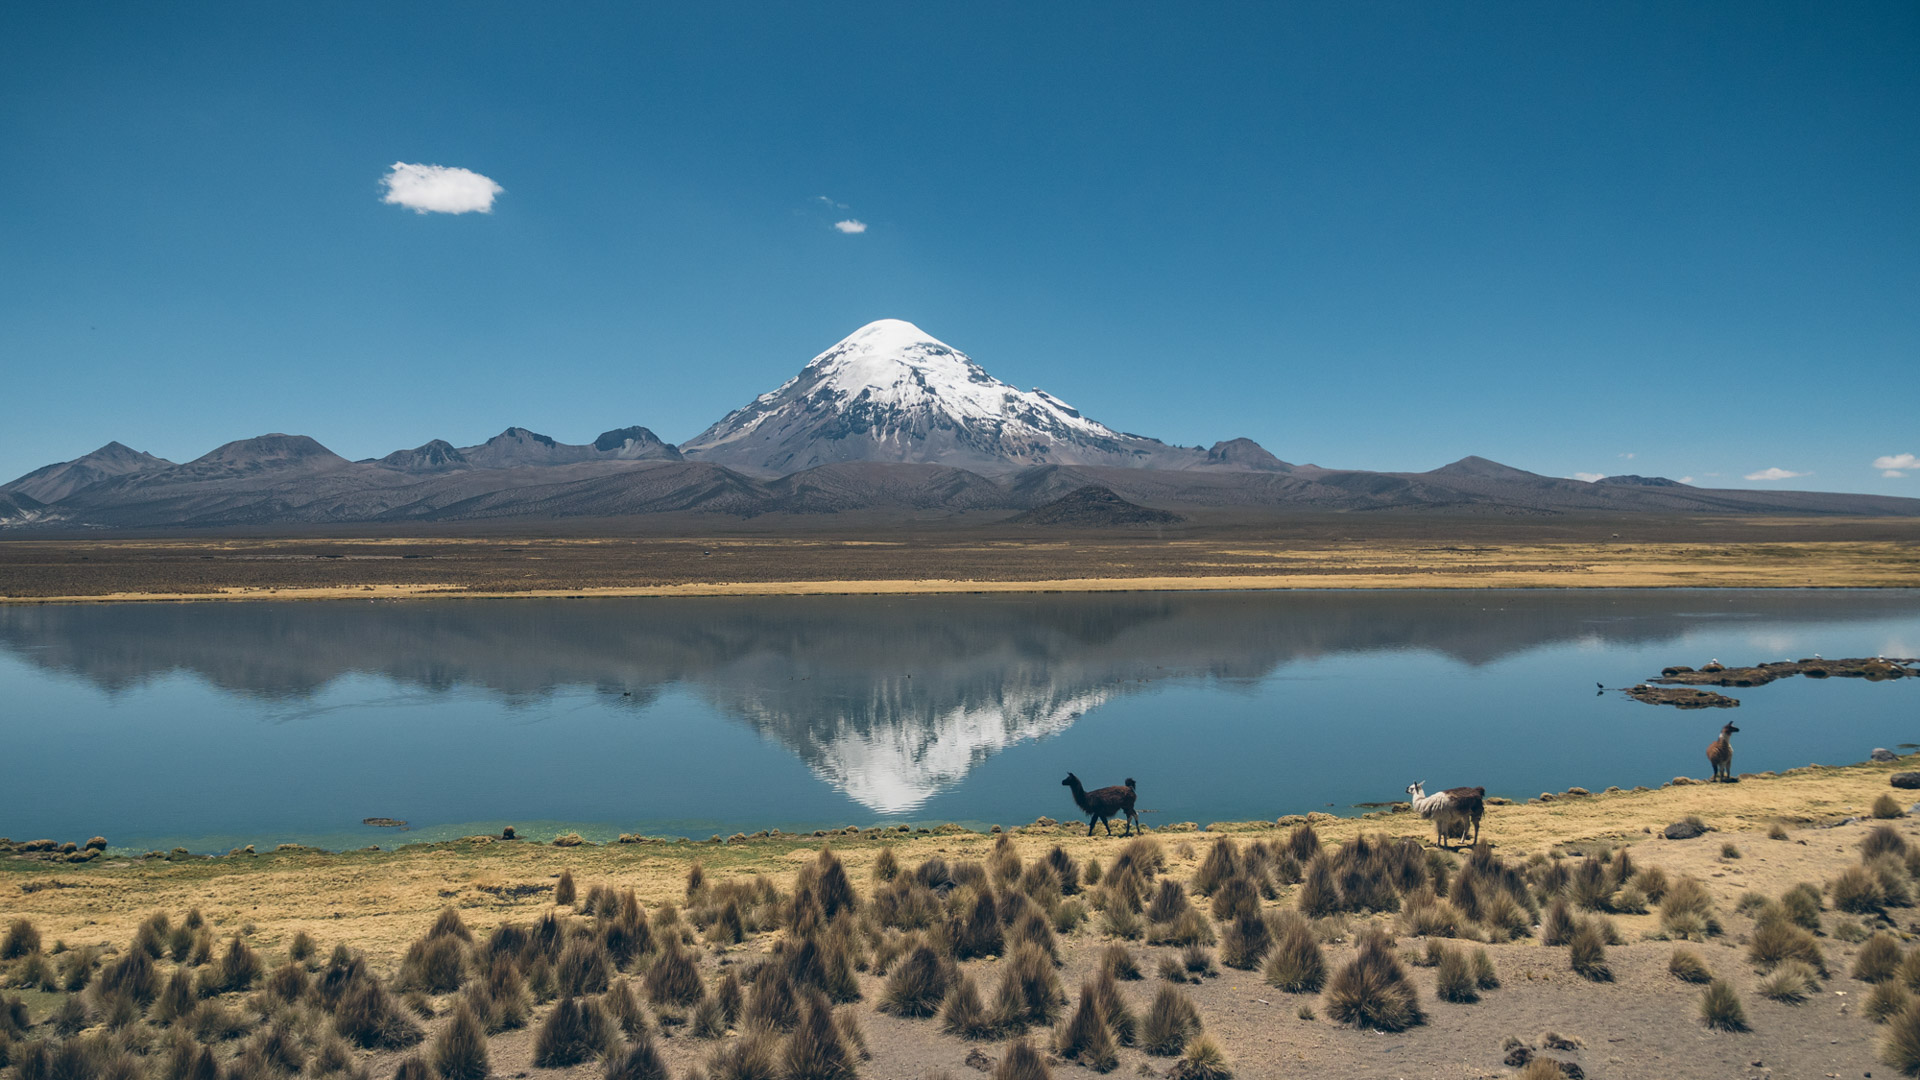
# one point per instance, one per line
(1686, 965)
(460, 1050)
(642, 1061)
(1885, 1001)
(1878, 959)
(1687, 912)
(1587, 951)
(1720, 1007)
(563, 890)
(1900, 1047)
(1372, 990)
(1296, 963)
(1029, 992)
(1246, 941)
(1453, 978)
(816, 1050)
(1777, 940)
(1791, 982)
(1171, 1022)
(963, 1014)
(1021, 1062)
(366, 1015)
(1202, 1061)
(1084, 1038)
(22, 938)
(576, 1030)
(1887, 807)
(674, 979)
(918, 984)
(1119, 962)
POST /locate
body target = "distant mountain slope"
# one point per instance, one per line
(891, 392)
(51, 483)
(1093, 507)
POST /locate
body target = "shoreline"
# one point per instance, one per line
(950, 587)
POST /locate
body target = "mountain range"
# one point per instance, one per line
(889, 419)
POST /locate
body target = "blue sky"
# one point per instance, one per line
(1656, 238)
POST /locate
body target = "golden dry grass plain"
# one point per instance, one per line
(1322, 554)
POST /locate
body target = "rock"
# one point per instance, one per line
(1905, 779)
(1519, 1055)
(978, 1060)
(571, 839)
(69, 848)
(508, 834)
(1578, 791)
(1681, 697)
(1683, 781)
(1684, 830)
(1881, 753)
(1571, 1071)
(40, 845)
(98, 843)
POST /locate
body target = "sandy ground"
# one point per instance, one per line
(1642, 1024)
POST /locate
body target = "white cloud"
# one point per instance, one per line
(1589, 477)
(1686, 479)
(850, 226)
(1628, 455)
(830, 202)
(1892, 465)
(1892, 474)
(1776, 473)
(439, 189)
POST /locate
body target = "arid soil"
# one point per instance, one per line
(810, 557)
(1642, 1022)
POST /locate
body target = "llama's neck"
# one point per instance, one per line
(1079, 794)
(1426, 804)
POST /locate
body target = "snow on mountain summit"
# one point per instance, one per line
(892, 392)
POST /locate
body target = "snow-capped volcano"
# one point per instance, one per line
(892, 392)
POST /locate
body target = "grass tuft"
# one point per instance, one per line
(1296, 964)
(1084, 1038)
(1720, 1007)
(1372, 990)
(1453, 978)
(1791, 983)
(460, 1050)
(1886, 807)
(1020, 1062)
(576, 1030)
(918, 985)
(1171, 1022)
(1878, 959)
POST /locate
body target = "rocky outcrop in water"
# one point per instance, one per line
(1681, 698)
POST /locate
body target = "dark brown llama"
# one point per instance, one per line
(1102, 805)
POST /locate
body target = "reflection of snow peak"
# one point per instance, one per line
(896, 764)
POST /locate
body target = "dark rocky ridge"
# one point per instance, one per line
(1093, 506)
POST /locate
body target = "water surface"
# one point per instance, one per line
(215, 725)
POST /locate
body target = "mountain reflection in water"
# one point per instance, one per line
(889, 700)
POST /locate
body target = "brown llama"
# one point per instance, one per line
(1720, 755)
(1103, 804)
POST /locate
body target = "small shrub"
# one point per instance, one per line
(1886, 1000)
(1296, 964)
(1792, 982)
(1687, 966)
(748, 1058)
(1246, 942)
(460, 1050)
(674, 979)
(366, 1015)
(1198, 961)
(1171, 969)
(918, 985)
(1372, 991)
(1729, 850)
(886, 866)
(962, 1013)
(1484, 975)
(1118, 961)
(1900, 1047)
(1686, 911)
(22, 938)
(1878, 959)
(1776, 941)
(1020, 1062)
(1887, 807)
(642, 1061)
(1171, 1022)
(1777, 831)
(1203, 1061)
(1588, 952)
(576, 1030)
(563, 890)
(1801, 904)
(1029, 991)
(1084, 1038)
(1720, 1007)
(624, 1009)
(1558, 926)
(1857, 890)
(1121, 922)
(815, 1050)
(1453, 978)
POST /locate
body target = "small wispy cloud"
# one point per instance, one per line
(850, 226)
(1776, 473)
(1589, 477)
(831, 202)
(1686, 480)
(1629, 455)
(1894, 466)
(439, 189)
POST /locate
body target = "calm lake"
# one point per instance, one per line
(215, 725)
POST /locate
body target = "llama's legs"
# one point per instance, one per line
(1090, 822)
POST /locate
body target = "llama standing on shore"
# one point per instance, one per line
(1720, 755)
(1103, 804)
(1451, 811)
